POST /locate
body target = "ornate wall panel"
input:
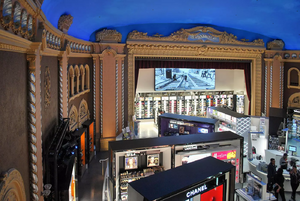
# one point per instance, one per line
(12, 186)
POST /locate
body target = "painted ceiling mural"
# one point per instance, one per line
(251, 19)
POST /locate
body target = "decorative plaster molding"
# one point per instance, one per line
(32, 127)
(47, 87)
(117, 98)
(123, 95)
(12, 186)
(101, 97)
(79, 94)
(138, 49)
(108, 36)
(197, 34)
(64, 23)
(294, 101)
(275, 45)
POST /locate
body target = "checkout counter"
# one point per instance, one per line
(258, 167)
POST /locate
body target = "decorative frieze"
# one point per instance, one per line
(197, 34)
(108, 36)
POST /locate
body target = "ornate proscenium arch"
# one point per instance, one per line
(199, 42)
(12, 186)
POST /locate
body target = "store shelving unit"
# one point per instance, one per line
(232, 121)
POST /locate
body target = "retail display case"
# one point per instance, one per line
(130, 160)
(82, 150)
(231, 121)
(213, 184)
(90, 127)
(175, 124)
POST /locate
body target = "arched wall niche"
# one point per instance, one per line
(73, 115)
(293, 78)
(12, 186)
(294, 100)
(83, 112)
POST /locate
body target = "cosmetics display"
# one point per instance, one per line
(135, 160)
(193, 103)
(214, 185)
(174, 124)
(231, 121)
(127, 177)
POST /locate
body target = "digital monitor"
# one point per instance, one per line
(131, 163)
(202, 130)
(292, 148)
(215, 194)
(152, 160)
(174, 79)
(175, 126)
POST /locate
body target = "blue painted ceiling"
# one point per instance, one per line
(250, 19)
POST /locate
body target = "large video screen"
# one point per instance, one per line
(174, 79)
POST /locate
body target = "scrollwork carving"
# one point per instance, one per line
(197, 34)
(65, 22)
(12, 186)
(47, 87)
(108, 36)
(275, 45)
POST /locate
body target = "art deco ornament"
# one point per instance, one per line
(108, 36)
(275, 45)
(64, 23)
(47, 87)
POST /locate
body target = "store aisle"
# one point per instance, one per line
(147, 129)
(90, 186)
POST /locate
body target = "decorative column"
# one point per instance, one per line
(117, 98)
(101, 97)
(123, 95)
(63, 86)
(281, 84)
(268, 85)
(96, 96)
(35, 122)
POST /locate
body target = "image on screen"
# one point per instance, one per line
(202, 130)
(215, 194)
(174, 79)
(292, 148)
(131, 163)
(152, 160)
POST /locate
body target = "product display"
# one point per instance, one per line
(127, 177)
(214, 184)
(147, 105)
(174, 124)
(132, 160)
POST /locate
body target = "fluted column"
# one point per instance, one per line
(35, 122)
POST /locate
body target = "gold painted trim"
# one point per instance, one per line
(12, 186)
(79, 94)
(194, 51)
(289, 78)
